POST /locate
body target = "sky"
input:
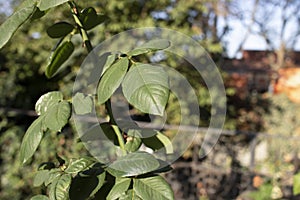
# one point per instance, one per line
(255, 41)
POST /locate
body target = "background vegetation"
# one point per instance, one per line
(22, 79)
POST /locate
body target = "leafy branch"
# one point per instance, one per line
(134, 175)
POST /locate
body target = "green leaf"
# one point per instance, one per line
(158, 142)
(153, 188)
(46, 101)
(60, 29)
(112, 79)
(100, 66)
(120, 187)
(60, 55)
(52, 188)
(90, 19)
(39, 197)
(146, 87)
(40, 177)
(9, 27)
(53, 175)
(46, 4)
(133, 140)
(152, 45)
(46, 165)
(101, 181)
(37, 14)
(78, 165)
(84, 187)
(62, 187)
(296, 184)
(133, 164)
(102, 132)
(82, 104)
(58, 116)
(31, 139)
(130, 195)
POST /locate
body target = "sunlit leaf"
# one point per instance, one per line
(40, 177)
(153, 188)
(31, 139)
(78, 165)
(62, 187)
(58, 57)
(133, 164)
(46, 4)
(52, 188)
(112, 79)
(130, 195)
(296, 184)
(58, 116)
(60, 29)
(39, 197)
(146, 87)
(120, 187)
(53, 175)
(9, 27)
(82, 104)
(152, 45)
(46, 101)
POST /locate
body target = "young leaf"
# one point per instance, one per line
(296, 184)
(37, 14)
(152, 45)
(153, 188)
(159, 141)
(82, 104)
(40, 177)
(46, 101)
(31, 139)
(146, 87)
(62, 187)
(133, 140)
(46, 4)
(90, 18)
(78, 165)
(120, 187)
(133, 164)
(112, 79)
(130, 195)
(9, 27)
(60, 29)
(57, 116)
(39, 197)
(61, 54)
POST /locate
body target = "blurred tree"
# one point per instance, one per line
(276, 22)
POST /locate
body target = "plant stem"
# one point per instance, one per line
(89, 47)
(120, 138)
(83, 32)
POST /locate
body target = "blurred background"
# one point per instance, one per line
(255, 45)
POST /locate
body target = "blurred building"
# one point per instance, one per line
(255, 72)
